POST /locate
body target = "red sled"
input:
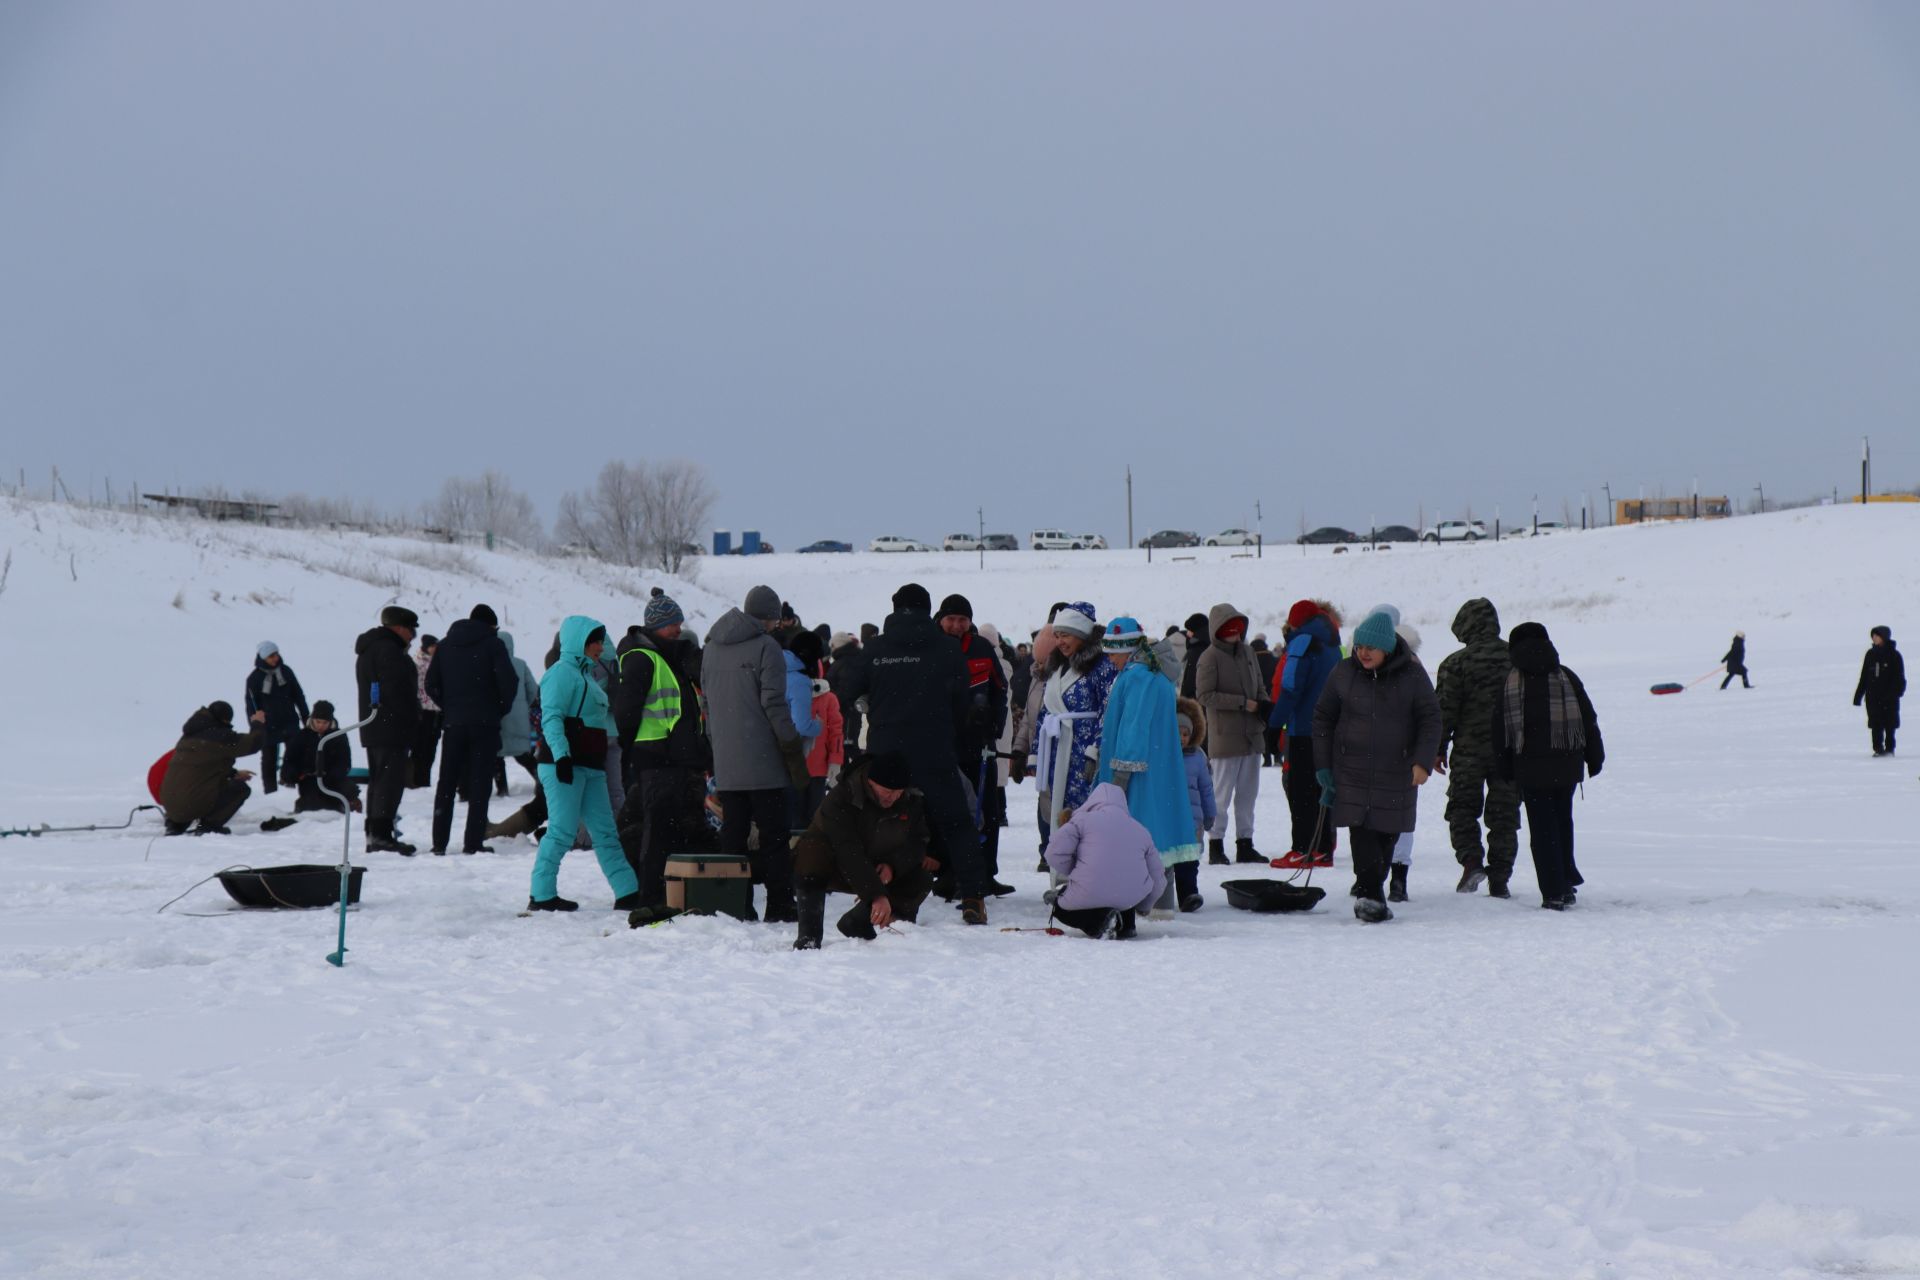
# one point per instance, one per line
(1669, 687)
(157, 776)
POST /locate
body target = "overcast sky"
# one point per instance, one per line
(874, 264)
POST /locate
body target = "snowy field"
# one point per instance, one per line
(1707, 1069)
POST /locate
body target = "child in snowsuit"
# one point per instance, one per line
(1546, 739)
(1736, 661)
(1192, 720)
(1883, 681)
(1108, 866)
(308, 765)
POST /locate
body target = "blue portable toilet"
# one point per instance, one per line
(722, 542)
(750, 543)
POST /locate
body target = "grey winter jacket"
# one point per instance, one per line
(1371, 728)
(1226, 680)
(743, 677)
(516, 727)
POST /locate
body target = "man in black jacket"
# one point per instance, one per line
(656, 712)
(980, 728)
(277, 704)
(385, 673)
(473, 681)
(918, 694)
(847, 658)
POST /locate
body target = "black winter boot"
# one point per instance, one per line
(1217, 853)
(858, 921)
(629, 901)
(1371, 911)
(1397, 883)
(810, 903)
(555, 903)
(1186, 885)
(1497, 883)
(1243, 851)
(1472, 876)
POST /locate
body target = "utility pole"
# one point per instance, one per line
(981, 512)
(1761, 489)
(1129, 505)
(1866, 469)
(1607, 485)
(1536, 514)
(1259, 534)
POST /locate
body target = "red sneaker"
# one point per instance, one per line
(1321, 860)
(1293, 860)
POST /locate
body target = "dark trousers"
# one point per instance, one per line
(233, 794)
(1472, 789)
(1742, 673)
(314, 800)
(386, 779)
(426, 735)
(951, 820)
(1270, 746)
(1882, 741)
(1087, 919)
(467, 756)
(270, 743)
(1372, 853)
(993, 816)
(662, 816)
(740, 812)
(1550, 835)
(1303, 799)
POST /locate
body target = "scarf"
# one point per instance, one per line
(1566, 728)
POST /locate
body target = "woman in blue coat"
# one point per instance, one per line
(1140, 753)
(573, 773)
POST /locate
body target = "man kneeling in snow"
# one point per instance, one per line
(201, 782)
(869, 838)
(308, 764)
(1108, 864)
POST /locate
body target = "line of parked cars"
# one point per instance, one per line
(1163, 539)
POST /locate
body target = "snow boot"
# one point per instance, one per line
(1397, 883)
(1108, 926)
(1553, 904)
(858, 921)
(628, 901)
(1371, 911)
(1571, 896)
(204, 830)
(1217, 853)
(973, 911)
(1243, 851)
(479, 848)
(1497, 884)
(1186, 883)
(810, 903)
(386, 844)
(645, 916)
(518, 823)
(1472, 876)
(441, 852)
(1043, 868)
(998, 890)
(555, 903)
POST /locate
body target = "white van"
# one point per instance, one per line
(1057, 540)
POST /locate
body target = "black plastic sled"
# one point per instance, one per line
(1272, 896)
(305, 885)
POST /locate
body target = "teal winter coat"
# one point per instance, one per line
(516, 727)
(1140, 736)
(568, 688)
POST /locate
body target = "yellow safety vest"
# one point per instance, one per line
(662, 709)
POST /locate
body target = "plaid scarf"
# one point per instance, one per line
(1566, 729)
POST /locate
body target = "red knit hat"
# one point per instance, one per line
(1303, 611)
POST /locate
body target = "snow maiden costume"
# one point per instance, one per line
(1140, 752)
(1067, 738)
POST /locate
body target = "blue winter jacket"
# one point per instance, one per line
(800, 698)
(1200, 787)
(1311, 657)
(568, 689)
(1140, 736)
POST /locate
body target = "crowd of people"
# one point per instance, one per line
(877, 764)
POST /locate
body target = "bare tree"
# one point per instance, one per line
(678, 502)
(486, 507)
(608, 521)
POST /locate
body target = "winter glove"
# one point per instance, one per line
(1017, 767)
(1857, 699)
(1325, 778)
(563, 770)
(796, 761)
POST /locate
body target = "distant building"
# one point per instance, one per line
(217, 508)
(1642, 510)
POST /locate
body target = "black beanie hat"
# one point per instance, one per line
(222, 712)
(806, 646)
(322, 710)
(912, 598)
(484, 613)
(955, 605)
(1197, 624)
(1885, 633)
(890, 771)
(868, 631)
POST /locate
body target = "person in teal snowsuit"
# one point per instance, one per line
(576, 788)
(1140, 752)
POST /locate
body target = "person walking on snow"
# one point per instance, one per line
(1379, 724)
(1140, 752)
(575, 725)
(1546, 739)
(1883, 682)
(473, 681)
(1470, 685)
(1312, 653)
(276, 703)
(1736, 661)
(1227, 684)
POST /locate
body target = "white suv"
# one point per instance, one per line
(960, 542)
(1091, 541)
(1455, 531)
(894, 542)
(1056, 540)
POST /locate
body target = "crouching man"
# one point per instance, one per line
(201, 782)
(868, 839)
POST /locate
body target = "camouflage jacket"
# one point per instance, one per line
(1471, 681)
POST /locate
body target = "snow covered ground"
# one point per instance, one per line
(1707, 1069)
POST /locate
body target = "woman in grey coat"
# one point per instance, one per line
(1381, 723)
